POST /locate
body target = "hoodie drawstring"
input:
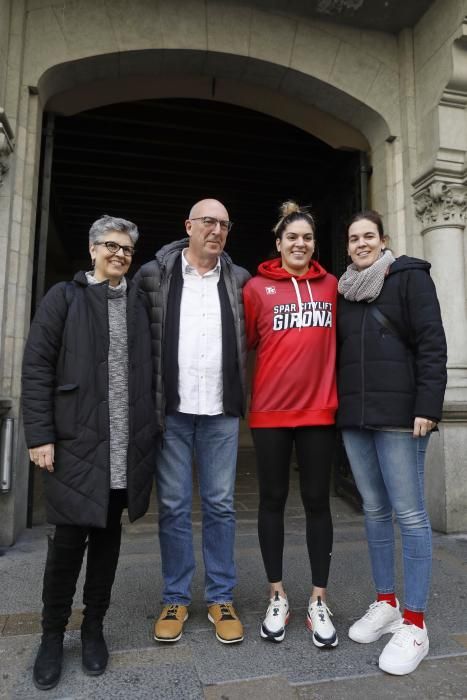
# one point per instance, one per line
(299, 299)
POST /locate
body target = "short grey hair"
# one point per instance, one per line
(112, 223)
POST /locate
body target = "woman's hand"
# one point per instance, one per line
(422, 426)
(43, 456)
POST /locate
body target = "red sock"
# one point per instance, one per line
(388, 598)
(415, 618)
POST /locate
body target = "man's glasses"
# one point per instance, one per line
(211, 221)
(113, 247)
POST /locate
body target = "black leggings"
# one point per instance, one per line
(314, 447)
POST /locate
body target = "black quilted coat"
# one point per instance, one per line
(154, 277)
(389, 377)
(65, 401)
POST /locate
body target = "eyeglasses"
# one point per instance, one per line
(212, 221)
(113, 247)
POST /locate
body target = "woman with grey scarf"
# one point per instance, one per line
(88, 416)
(391, 383)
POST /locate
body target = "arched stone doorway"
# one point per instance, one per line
(100, 82)
(149, 160)
(68, 80)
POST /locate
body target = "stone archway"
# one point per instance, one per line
(92, 82)
(75, 86)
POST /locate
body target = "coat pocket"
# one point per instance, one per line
(66, 411)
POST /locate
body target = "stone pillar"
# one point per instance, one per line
(441, 207)
(17, 211)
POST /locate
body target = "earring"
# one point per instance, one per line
(93, 263)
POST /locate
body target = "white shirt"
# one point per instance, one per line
(200, 342)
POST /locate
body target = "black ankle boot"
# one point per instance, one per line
(95, 654)
(48, 663)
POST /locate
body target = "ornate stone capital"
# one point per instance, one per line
(6, 144)
(442, 204)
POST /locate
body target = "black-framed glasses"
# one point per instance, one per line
(212, 221)
(114, 247)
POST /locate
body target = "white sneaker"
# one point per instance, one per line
(277, 616)
(380, 618)
(319, 623)
(404, 651)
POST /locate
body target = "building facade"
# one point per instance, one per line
(395, 90)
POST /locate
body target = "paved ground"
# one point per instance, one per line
(198, 667)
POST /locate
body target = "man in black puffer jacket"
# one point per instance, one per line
(199, 350)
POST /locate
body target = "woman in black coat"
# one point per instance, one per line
(391, 383)
(88, 410)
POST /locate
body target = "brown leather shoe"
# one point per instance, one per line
(169, 626)
(229, 629)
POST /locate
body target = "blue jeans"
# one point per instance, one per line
(213, 441)
(388, 470)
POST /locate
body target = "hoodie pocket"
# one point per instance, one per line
(66, 411)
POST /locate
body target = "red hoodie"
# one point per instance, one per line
(291, 321)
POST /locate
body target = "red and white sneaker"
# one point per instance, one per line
(404, 651)
(318, 621)
(379, 619)
(277, 617)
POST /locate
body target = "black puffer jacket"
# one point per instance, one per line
(154, 277)
(387, 378)
(65, 401)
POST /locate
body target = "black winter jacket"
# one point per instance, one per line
(154, 278)
(65, 401)
(388, 378)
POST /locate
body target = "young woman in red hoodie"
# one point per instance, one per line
(290, 308)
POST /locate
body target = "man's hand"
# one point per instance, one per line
(43, 456)
(422, 426)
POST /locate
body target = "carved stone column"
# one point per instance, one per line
(441, 207)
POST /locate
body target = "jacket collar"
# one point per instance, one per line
(167, 255)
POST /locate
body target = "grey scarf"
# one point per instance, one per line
(365, 285)
(113, 292)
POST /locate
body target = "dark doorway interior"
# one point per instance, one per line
(149, 161)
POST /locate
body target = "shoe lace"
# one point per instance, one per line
(319, 609)
(171, 612)
(275, 609)
(403, 635)
(374, 610)
(226, 611)
(276, 604)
